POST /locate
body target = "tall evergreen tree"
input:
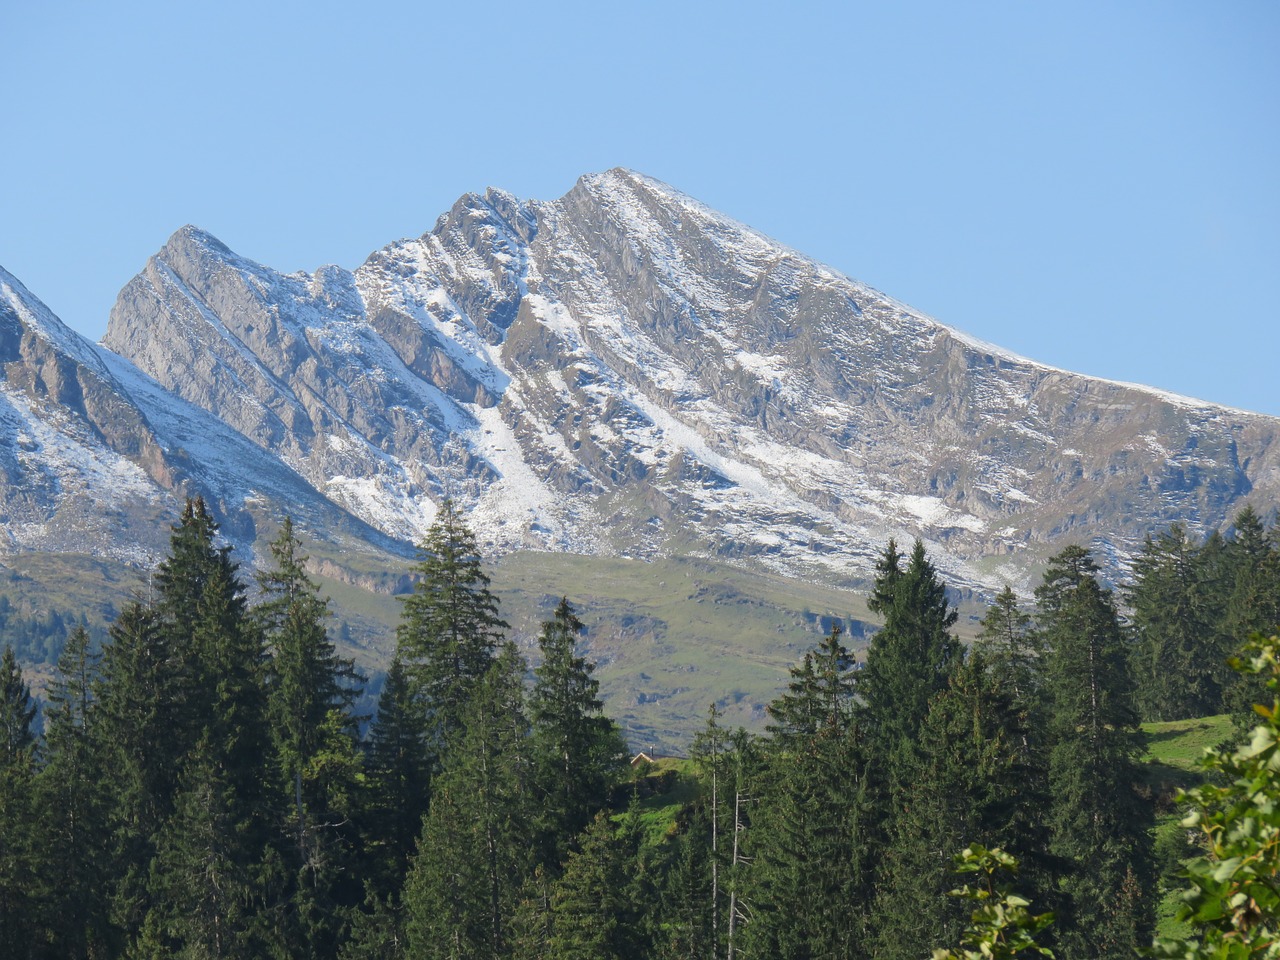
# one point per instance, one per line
(193, 794)
(21, 835)
(808, 891)
(17, 712)
(139, 694)
(1097, 821)
(1012, 650)
(210, 883)
(1252, 561)
(310, 697)
(578, 752)
(1179, 666)
(398, 771)
(449, 626)
(973, 780)
(910, 657)
(73, 793)
(475, 849)
(593, 910)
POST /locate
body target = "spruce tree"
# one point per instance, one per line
(909, 658)
(1012, 650)
(1179, 666)
(23, 919)
(578, 752)
(594, 915)
(17, 713)
(449, 626)
(973, 780)
(1252, 561)
(808, 890)
(310, 693)
(211, 883)
(475, 853)
(184, 704)
(398, 772)
(1098, 823)
(139, 696)
(73, 792)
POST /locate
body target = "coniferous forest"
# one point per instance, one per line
(202, 786)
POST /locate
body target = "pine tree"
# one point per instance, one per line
(593, 912)
(809, 888)
(72, 790)
(310, 697)
(450, 626)
(399, 777)
(475, 848)
(909, 658)
(21, 830)
(1179, 668)
(971, 782)
(577, 751)
(1098, 823)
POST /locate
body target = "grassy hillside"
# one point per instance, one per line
(670, 637)
(1173, 761)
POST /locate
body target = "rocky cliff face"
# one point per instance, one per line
(95, 457)
(623, 371)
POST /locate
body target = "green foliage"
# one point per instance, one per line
(1099, 824)
(310, 692)
(398, 771)
(73, 791)
(594, 913)
(21, 833)
(808, 891)
(1011, 647)
(450, 624)
(38, 636)
(475, 846)
(578, 752)
(972, 780)
(1253, 565)
(1002, 926)
(1175, 618)
(1233, 903)
(17, 713)
(909, 659)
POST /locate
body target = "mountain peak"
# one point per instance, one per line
(627, 370)
(21, 310)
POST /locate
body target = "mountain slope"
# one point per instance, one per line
(624, 371)
(95, 457)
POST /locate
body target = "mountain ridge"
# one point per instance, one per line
(624, 371)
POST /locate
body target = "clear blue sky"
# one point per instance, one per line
(1094, 185)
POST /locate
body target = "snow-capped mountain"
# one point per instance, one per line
(95, 457)
(621, 371)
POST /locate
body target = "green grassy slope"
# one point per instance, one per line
(1172, 763)
(670, 637)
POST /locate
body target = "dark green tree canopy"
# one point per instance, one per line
(450, 626)
(578, 750)
(17, 712)
(911, 657)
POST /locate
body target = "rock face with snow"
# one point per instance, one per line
(95, 457)
(623, 371)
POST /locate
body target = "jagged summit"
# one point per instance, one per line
(626, 371)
